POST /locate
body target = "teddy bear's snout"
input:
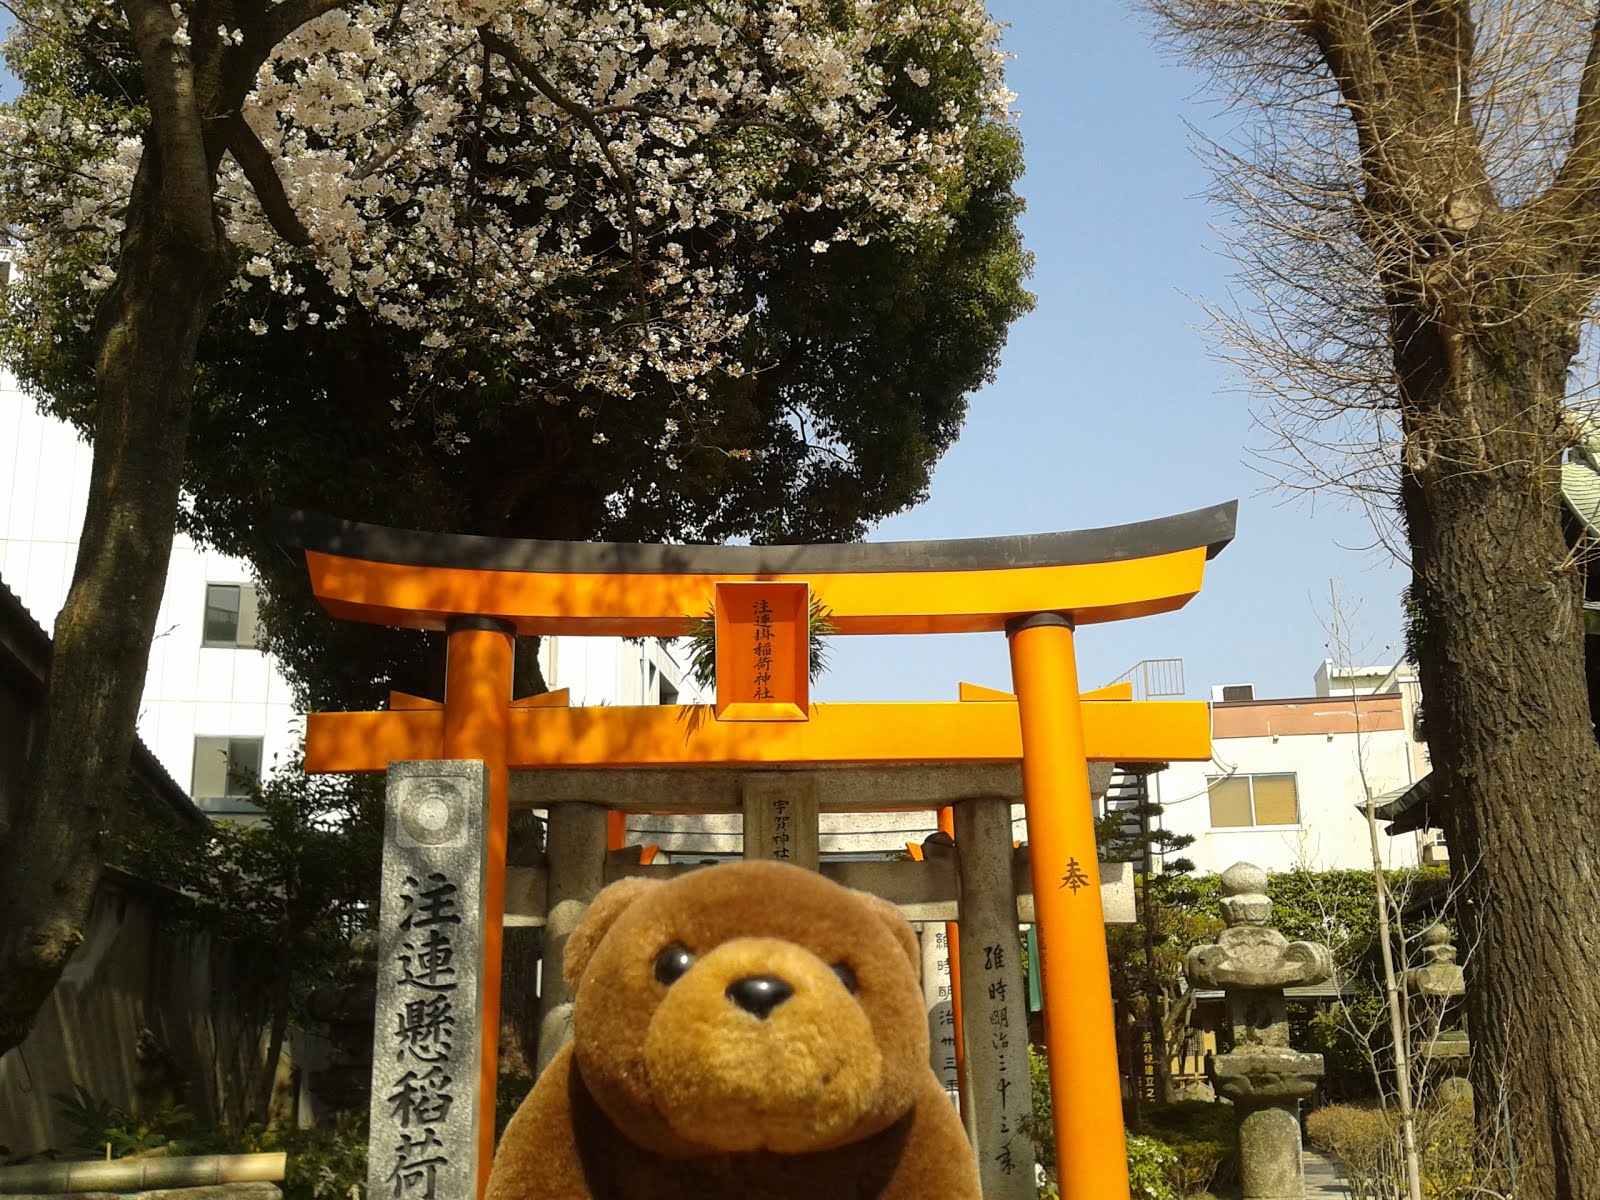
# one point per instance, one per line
(758, 995)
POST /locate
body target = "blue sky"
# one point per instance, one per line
(1108, 407)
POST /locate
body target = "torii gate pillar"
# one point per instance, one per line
(1087, 1114)
(477, 709)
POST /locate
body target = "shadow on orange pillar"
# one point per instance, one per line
(477, 708)
(1085, 1090)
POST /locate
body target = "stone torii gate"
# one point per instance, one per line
(482, 592)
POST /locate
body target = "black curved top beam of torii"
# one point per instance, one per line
(422, 580)
(1211, 527)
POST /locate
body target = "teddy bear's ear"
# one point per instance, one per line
(889, 914)
(610, 904)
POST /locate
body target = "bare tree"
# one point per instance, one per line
(1417, 193)
(1339, 639)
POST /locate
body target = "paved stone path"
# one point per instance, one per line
(1324, 1181)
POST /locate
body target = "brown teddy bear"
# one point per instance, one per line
(743, 1032)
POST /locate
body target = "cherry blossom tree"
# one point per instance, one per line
(543, 208)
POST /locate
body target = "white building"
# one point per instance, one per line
(216, 711)
(1289, 778)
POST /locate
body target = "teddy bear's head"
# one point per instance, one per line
(752, 1006)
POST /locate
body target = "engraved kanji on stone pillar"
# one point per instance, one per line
(423, 1136)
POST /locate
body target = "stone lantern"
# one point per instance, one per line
(1436, 988)
(1263, 1076)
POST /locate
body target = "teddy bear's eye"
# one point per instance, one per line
(847, 977)
(672, 962)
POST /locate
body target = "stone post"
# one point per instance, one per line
(780, 819)
(994, 1002)
(424, 1117)
(1436, 988)
(1264, 1077)
(576, 854)
(940, 1003)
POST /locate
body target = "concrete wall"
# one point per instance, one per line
(139, 969)
(604, 670)
(1333, 768)
(685, 836)
(190, 690)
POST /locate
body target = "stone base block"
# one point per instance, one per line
(1270, 1167)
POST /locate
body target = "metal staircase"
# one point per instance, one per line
(1127, 796)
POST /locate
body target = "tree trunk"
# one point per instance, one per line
(1510, 735)
(278, 1030)
(147, 331)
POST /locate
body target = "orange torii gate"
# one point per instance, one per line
(482, 592)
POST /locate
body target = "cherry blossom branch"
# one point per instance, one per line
(284, 18)
(525, 67)
(258, 168)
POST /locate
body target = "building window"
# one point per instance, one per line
(1244, 801)
(230, 620)
(225, 767)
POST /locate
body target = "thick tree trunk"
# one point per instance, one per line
(1509, 730)
(147, 332)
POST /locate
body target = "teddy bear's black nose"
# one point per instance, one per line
(759, 994)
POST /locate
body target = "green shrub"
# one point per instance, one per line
(1178, 1154)
(1150, 1169)
(1200, 1136)
(326, 1163)
(103, 1128)
(1446, 1142)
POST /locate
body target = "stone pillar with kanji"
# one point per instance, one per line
(1263, 1076)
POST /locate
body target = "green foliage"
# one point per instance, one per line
(1150, 1164)
(1335, 1033)
(102, 1126)
(1146, 959)
(325, 1163)
(288, 890)
(1179, 1152)
(1037, 1126)
(1338, 907)
(512, 1090)
(1200, 1139)
(294, 885)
